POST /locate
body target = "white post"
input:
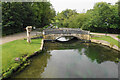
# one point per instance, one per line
(28, 28)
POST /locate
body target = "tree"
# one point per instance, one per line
(103, 17)
(64, 16)
(18, 15)
(77, 21)
(118, 7)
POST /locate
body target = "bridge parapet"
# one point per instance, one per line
(53, 34)
(65, 31)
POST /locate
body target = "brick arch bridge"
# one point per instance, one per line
(53, 34)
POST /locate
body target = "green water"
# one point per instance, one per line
(72, 60)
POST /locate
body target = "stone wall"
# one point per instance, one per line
(56, 36)
(65, 31)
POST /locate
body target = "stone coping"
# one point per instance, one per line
(106, 44)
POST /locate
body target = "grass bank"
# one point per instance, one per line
(17, 49)
(106, 38)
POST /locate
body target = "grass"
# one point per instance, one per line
(118, 36)
(17, 48)
(108, 39)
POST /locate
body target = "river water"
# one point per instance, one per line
(73, 59)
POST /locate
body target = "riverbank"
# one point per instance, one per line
(58, 60)
(114, 36)
(16, 54)
(106, 44)
(106, 40)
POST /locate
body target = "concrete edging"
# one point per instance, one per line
(106, 44)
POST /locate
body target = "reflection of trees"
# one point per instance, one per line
(37, 66)
(100, 54)
(61, 46)
(41, 63)
(93, 51)
(68, 38)
(73, 44)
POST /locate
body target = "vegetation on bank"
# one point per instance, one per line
(118, 36)
(18, 49)
(104, 17)
(108, 39)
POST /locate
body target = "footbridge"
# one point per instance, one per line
(54, 34)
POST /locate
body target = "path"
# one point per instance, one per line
(114, 36)
(15, 37)
(23, 35)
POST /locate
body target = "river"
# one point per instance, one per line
(73, 59)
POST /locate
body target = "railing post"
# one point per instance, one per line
(89, 34)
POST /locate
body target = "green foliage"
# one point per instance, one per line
(17, 16)
(118, 36)
(102, 18)
(77, 21)
(61, 20)
(16, 67)
(118, 7)
(45, 27)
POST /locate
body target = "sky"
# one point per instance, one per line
(79, 5)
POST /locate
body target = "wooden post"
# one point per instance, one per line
(28, 28)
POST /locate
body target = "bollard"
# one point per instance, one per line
(29, 29)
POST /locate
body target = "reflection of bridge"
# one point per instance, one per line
(53, 34)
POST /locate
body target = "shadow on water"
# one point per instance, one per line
(69, 59)
(37, 66)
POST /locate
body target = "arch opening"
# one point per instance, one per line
(66, 38)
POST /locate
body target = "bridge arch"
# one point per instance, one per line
(53, 34)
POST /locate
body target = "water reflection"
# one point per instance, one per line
(73, 60)
(65, 38)
(36, 68)
(93, 51)
(101, 54)
(70, 64)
